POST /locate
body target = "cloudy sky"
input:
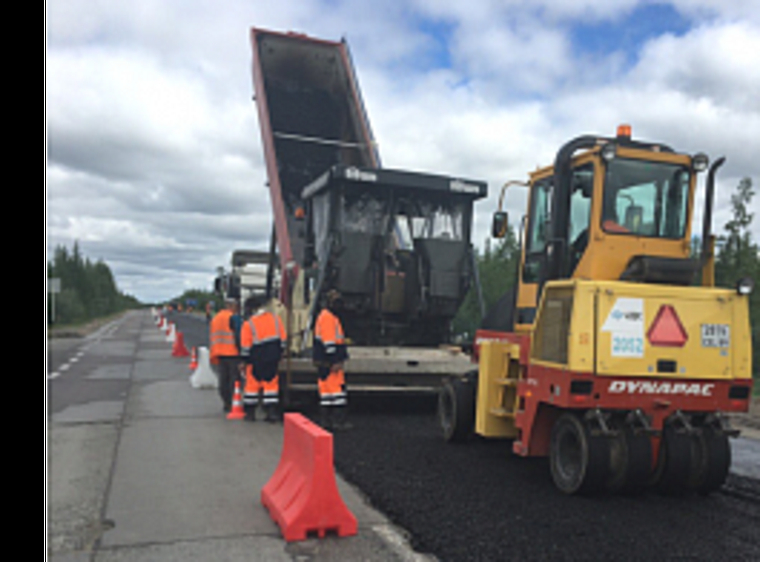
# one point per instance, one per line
(154, 157)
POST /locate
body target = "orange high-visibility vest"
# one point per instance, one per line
(221, 337)
(329, 340)
(262, 338)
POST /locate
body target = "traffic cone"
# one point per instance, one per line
(171, 334)
(193, 360)
(179, 349)
(237, 412)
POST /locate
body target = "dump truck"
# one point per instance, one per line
(250, 275)
(395, 243)
(616, 357)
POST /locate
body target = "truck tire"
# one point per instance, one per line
(714, 460)
(456, 408)
(676, 463)
(630, 461)
(579, 461)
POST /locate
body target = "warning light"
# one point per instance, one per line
(624, 131)
(667, 330)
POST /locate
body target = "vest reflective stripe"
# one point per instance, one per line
(221, 336)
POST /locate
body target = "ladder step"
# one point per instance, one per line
(506, 382)
(502, 412)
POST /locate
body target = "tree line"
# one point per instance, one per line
(737, 256)
(88, 289)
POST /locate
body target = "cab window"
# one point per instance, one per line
(646, 198)
(538, 228)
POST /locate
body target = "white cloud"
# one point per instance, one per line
(155, 160)
(717, 62)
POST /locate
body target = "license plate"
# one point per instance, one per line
(716, 335)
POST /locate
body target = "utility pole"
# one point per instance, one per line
(54, 286)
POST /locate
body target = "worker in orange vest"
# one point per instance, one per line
(262, 340)
(329, 356)
(224, 351)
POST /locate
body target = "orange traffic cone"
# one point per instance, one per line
(237, 412)
(179, 349)
(193, 360)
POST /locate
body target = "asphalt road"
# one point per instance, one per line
(72, 360)
(477, 501)
(144, 467)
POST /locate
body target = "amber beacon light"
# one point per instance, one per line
(624, 131)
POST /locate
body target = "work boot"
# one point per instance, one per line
(271, 413)
(250, 413)
(340, 422)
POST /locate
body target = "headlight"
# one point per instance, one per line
(700, 162)
(609, 151)
(745, 286)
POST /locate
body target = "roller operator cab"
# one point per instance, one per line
(615, 356)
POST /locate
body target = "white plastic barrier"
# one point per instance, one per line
(203, 376)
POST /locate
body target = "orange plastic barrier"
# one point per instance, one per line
(179, 349)
(302, 496)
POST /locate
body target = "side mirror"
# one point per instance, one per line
(499, 225)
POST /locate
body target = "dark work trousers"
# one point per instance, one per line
(228, 373)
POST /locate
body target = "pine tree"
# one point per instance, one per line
(88, 290)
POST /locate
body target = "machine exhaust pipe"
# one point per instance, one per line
(707, 219)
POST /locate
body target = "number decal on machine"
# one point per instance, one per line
(627, 346)
(625, 322)
(716, 335)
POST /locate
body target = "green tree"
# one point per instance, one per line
(88, 290)
(496, 269)
(739, 256)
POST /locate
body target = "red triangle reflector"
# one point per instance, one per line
(667, 330)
